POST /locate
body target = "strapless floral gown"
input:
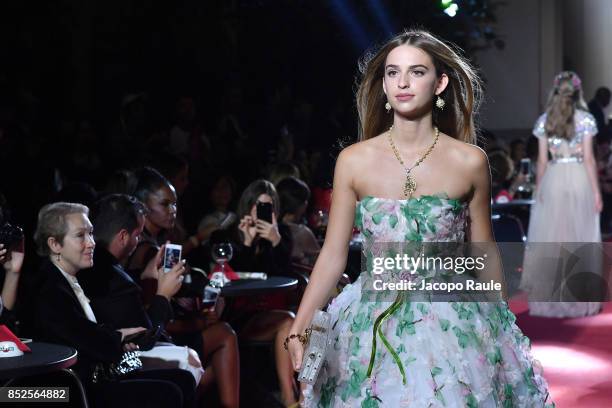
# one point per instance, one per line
(453, 354)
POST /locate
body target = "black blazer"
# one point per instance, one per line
(62, 320)
(116, 299)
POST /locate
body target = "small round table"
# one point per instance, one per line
(252, 287)
(45, 357)
(513, 204)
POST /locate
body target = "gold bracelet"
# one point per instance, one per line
(303, 338)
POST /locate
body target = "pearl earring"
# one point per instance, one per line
(388, 107)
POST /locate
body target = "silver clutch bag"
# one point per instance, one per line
(314, 355)
(130, 361)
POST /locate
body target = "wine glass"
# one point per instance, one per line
(222, 252)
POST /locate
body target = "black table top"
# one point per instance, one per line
(513, 203)
(44, 357)
(250, 287)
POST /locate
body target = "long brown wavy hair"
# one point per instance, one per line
(462, 95)
(565, 97)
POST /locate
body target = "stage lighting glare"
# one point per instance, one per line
(446, 3)
(452, 10)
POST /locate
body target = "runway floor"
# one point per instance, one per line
(576, 355)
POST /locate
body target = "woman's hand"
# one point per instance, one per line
(130, 347)
(268, 231)
(247, 226)
(129, 331)
(296, 352)
(537, 194)
(598, 202)
(12, 261)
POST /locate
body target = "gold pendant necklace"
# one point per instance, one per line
(410, 184)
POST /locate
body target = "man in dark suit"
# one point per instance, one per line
(115, 297)
(118, 221)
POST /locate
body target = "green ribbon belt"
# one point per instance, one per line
(384, 316)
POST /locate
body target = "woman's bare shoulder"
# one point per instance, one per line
(466, 163)
(465, 154)
(360, 151)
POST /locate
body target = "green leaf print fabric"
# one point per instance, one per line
(455, 355)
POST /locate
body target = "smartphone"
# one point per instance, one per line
(172, 256)
(525, 166)
(210, 297)
(264, 211)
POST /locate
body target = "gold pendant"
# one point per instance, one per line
(409, 186)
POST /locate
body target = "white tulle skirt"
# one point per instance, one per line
(562, 217)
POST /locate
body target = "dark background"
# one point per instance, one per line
(69, 66)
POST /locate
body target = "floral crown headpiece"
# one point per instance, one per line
(573, 78)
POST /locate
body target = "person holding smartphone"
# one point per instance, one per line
(64, 238)
(261, 244)
(215, 341)
(11, 261)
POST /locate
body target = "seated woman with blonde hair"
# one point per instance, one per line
(64, 236)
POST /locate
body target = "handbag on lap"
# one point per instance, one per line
(129, 362)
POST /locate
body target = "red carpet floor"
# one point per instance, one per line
(576, 355)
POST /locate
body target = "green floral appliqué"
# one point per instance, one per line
(327, 392)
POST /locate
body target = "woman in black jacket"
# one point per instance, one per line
(64, 235)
